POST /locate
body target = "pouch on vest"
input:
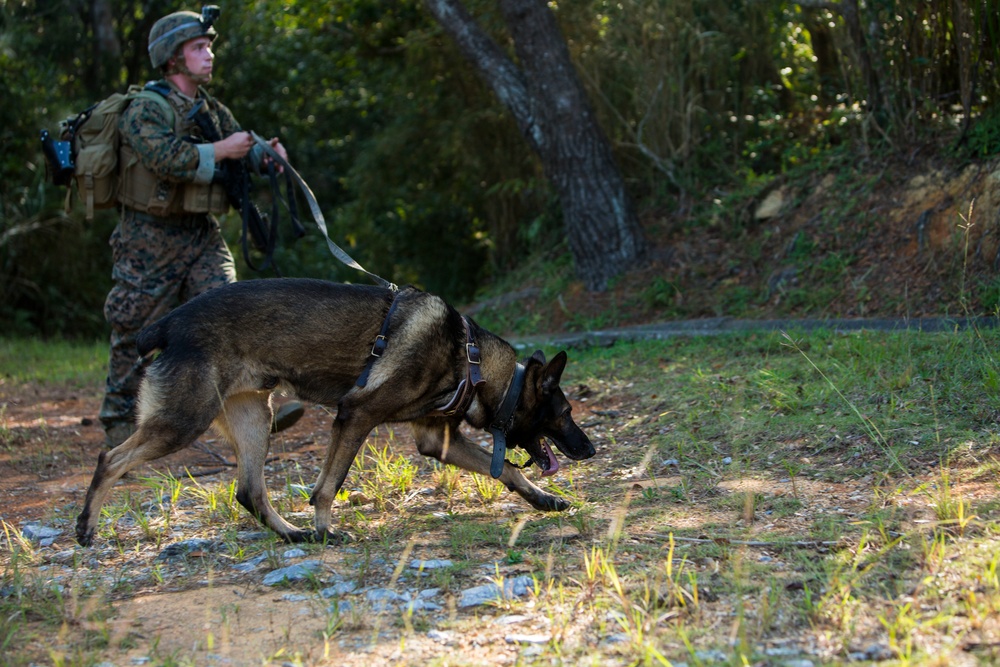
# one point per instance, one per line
(209, 198)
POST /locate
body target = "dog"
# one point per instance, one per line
(376, 354)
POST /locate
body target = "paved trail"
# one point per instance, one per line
(722, 325)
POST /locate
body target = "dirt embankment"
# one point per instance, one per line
(916, 238)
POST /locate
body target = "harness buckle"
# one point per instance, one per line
(379, 347)
(472, 353)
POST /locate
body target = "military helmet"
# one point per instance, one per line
(174, 29)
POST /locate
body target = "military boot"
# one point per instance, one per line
(286, 415)
(117, 433)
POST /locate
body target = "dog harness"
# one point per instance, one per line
(460, 401)
(378, 347)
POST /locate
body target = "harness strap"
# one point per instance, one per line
(503, 420)
(378, 347)
(459, 403)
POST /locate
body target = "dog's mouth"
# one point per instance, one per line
(545, 458)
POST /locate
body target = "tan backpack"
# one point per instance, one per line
(94, 138)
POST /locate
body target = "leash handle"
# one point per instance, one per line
(250, 209)
(318, 214)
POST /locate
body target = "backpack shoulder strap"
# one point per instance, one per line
(157, 92)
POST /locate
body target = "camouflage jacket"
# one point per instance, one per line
(151, 134)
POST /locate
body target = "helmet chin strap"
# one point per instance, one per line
(179, 66)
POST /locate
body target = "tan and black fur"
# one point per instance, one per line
(223, 354)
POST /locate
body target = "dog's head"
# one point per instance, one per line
(544, 414)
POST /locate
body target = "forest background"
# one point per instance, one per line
(425, 176)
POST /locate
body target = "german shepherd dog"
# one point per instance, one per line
(223, 354)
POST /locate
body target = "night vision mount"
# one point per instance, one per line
(209, 15)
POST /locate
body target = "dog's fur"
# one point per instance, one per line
(223, 354)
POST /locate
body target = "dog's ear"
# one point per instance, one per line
(534, 363)
(553, 371)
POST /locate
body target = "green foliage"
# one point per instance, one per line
(407, 150)
(43, 361)
(989, 295)
(983, 139)
(421, 172)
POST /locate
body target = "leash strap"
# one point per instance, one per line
(272, 234)
(503, 420)
(317, 213)
(378, 347)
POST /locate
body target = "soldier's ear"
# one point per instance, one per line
(172, 61)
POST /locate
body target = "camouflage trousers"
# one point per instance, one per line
(157, 266)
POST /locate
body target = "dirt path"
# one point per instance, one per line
(123, 602)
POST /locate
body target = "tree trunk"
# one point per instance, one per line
(107, 49)
(875, 100)
(553, 113)
(827, 59)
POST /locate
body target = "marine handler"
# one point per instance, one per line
(167, 247)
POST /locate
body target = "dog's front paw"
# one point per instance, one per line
(298, 536)
(84, 535)
(548, 503)
(334, 537)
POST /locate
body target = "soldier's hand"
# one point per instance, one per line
(234, 147)
(280, 150)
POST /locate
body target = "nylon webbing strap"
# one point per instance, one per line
(503, 420)
(380, 344)
(318, 214)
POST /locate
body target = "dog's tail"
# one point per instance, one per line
(152, 338)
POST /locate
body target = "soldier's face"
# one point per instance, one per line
(195, 60)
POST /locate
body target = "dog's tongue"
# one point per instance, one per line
(553, 461)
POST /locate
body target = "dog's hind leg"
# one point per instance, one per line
(245, 421)
(153, 439)
(444, 441)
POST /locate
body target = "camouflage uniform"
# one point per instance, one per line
(159, 262)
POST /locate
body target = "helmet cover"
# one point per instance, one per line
(172, 30)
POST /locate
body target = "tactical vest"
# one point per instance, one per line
(142, 190)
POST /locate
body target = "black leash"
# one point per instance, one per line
(272, 234)
(317, 214)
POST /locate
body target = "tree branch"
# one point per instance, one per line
(502, 75)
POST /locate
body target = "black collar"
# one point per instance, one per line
(503, 420)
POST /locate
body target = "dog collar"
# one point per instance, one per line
(503, 420)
